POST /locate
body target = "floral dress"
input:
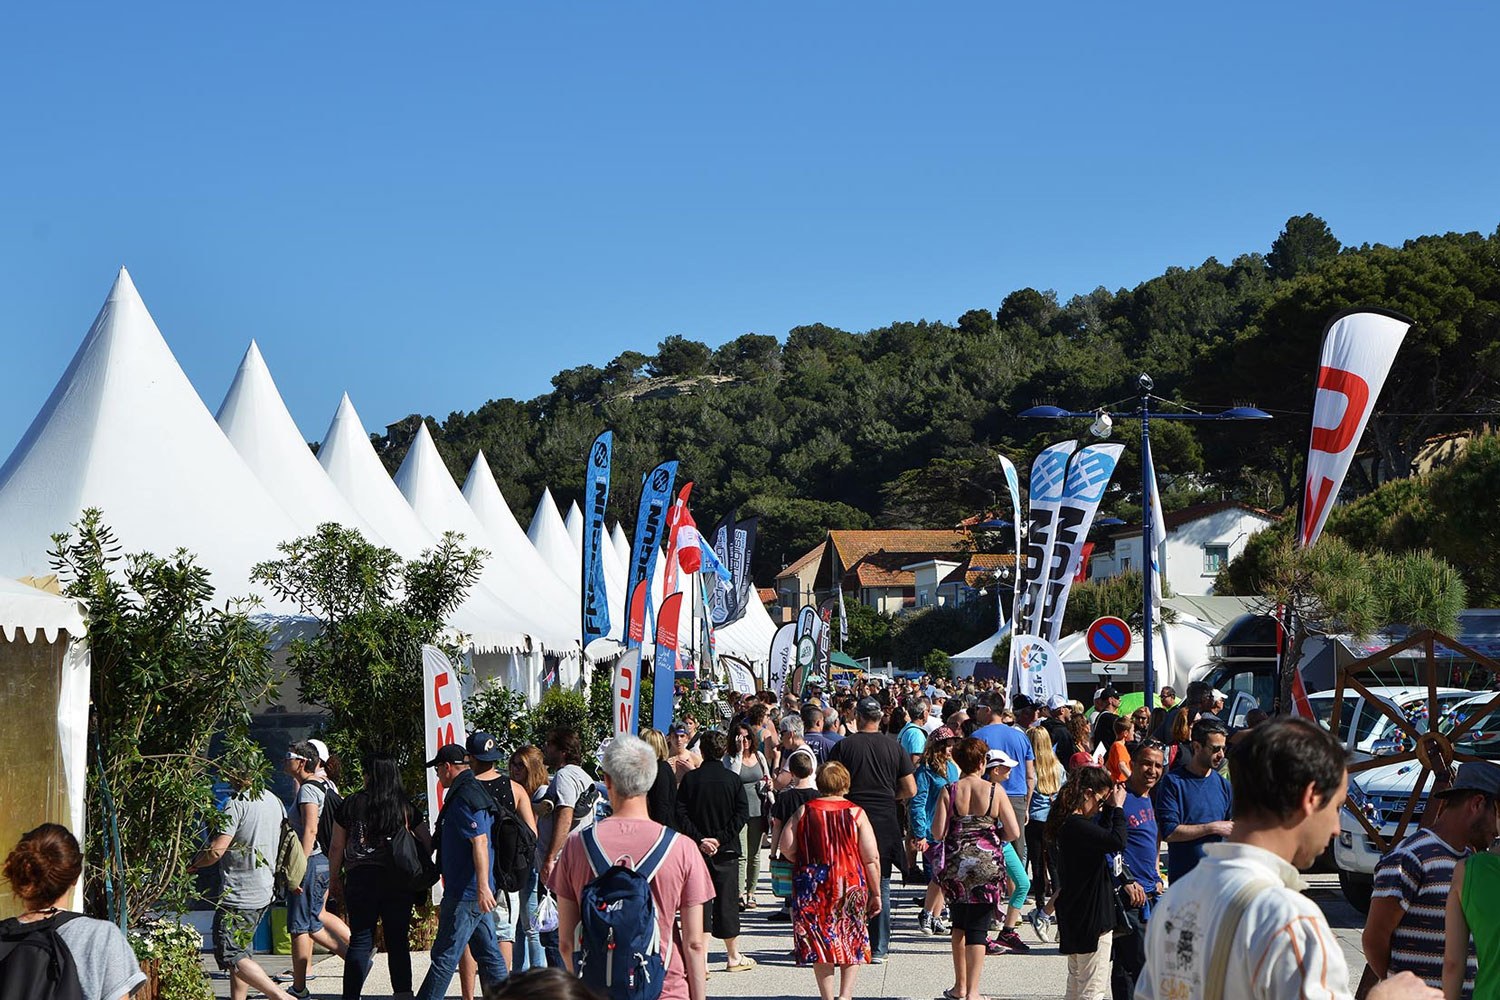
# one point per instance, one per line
(829, 893)
(973, 866)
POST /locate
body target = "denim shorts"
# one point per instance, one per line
(507, 910)
(233, 931)
(304, 910)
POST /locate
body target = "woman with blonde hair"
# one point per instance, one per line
(529, 770)
(661, 801)
(1050, 775)
(835, 882)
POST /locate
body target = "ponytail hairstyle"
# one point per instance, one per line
(1070, 797)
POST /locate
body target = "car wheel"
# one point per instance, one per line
(1357, 889)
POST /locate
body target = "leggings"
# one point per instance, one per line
(1043, 861)
(750, 837)
(973, 919)
(1016, 872)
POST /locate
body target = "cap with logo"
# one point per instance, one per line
(453, 753)
(869, 708)
(482, 746)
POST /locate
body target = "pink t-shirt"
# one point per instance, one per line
(681, 882)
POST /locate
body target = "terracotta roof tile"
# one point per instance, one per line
(979, 567)
(810, 557)
(852, 546)
(1186, 515)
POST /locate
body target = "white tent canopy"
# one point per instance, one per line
(549, 536)
(255, 419)
(1177, 650)
(621, 544)
(574, 523)
(350, 461)
(125, 431)
(981, 652)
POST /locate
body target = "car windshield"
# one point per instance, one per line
(1383, 730)
(1482, 738)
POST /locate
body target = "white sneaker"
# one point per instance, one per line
(924, 923)
(1044, 926)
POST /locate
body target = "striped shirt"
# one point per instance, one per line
(1417, 873)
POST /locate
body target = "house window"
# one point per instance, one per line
(1214, 558)
(1124, 563)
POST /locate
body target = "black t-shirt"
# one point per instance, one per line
(1061, 740)
(1104, 729)
(876, 766)
(790, 800)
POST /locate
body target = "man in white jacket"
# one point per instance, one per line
(1237, 927)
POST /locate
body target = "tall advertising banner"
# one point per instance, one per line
(824, 636)
(1037, 669)
(782, 659)
(627, 694)
(1158, 557)
(1048, 478)
(740, 677)
(807, 644)
(443, 718)
(1013, 484)
(721, 594)
(732, 599)
(650, 520)
(843, 621)
(1088, 478)
(664, 676)
(675, 519)
(1359, 346)
(595, 498)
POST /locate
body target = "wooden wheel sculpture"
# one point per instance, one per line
(1435, 751)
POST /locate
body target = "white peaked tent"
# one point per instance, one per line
(350, 461)
(622, 545)
(967, 662)
(549, 536)
(255, 419)
(488, 504)
(125, 431)
(574, 523)
(750, 637)
(429, 488)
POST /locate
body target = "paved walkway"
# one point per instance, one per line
(919, 968)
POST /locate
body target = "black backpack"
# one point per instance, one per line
(513, 840)
(35, 963)
(333, 808)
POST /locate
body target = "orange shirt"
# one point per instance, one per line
(1118, 761)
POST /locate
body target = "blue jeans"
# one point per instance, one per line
(304, 910)
(529, 953)
(880, 923)
(460, 923)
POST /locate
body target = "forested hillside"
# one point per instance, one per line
(898, 426)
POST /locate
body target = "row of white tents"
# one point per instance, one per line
(125, 431)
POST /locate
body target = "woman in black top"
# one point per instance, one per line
(1086, 826)
(661, 800)
(373, 889)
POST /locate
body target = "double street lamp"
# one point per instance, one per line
(1102, 426)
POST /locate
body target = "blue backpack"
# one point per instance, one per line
(618, 947)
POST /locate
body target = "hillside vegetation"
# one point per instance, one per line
(898, 426)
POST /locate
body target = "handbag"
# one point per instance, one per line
(781, 878)
(1127, 917)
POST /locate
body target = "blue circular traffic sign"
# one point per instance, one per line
(1109, 639)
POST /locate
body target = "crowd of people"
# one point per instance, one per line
(1003, 813)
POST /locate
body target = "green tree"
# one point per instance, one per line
(790, 526)
(171, 674)
(677, 355)
(375, 612)
(937, 664)
(1304, 243)
(1466, 531)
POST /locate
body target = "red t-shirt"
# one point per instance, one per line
(681, 882)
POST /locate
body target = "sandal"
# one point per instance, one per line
(746, 964)
(950, 995)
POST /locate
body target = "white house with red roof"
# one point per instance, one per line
(1201, 540)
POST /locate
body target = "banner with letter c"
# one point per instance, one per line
(1039, 670)
(783, 654)
(1359, 346)
(443, 718)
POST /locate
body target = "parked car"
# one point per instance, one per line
(1382, 793)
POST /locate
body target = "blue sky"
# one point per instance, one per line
(431, 207)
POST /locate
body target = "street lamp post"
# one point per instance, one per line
(1103, 424)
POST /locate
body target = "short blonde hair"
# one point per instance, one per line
(833, 779)
(658, 743)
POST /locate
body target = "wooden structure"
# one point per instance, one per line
(1435, 751)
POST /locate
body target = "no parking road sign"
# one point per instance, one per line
(1109, 639)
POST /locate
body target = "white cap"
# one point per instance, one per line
(1057, 701)
(1218, 695)
(322, 749)
(997, 757)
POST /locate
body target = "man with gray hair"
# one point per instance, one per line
(790, 731)
(680, 887)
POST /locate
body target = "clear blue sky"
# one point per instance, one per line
(434, 205)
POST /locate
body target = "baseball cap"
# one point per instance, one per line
(322, 749)
(942, 733)
(998, 758)
(1057, 701)
(482, 746)
(453, 753)
(1106, 692)
(869, 708)
(1475, 776)
(677, 729)
(1080, 759)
